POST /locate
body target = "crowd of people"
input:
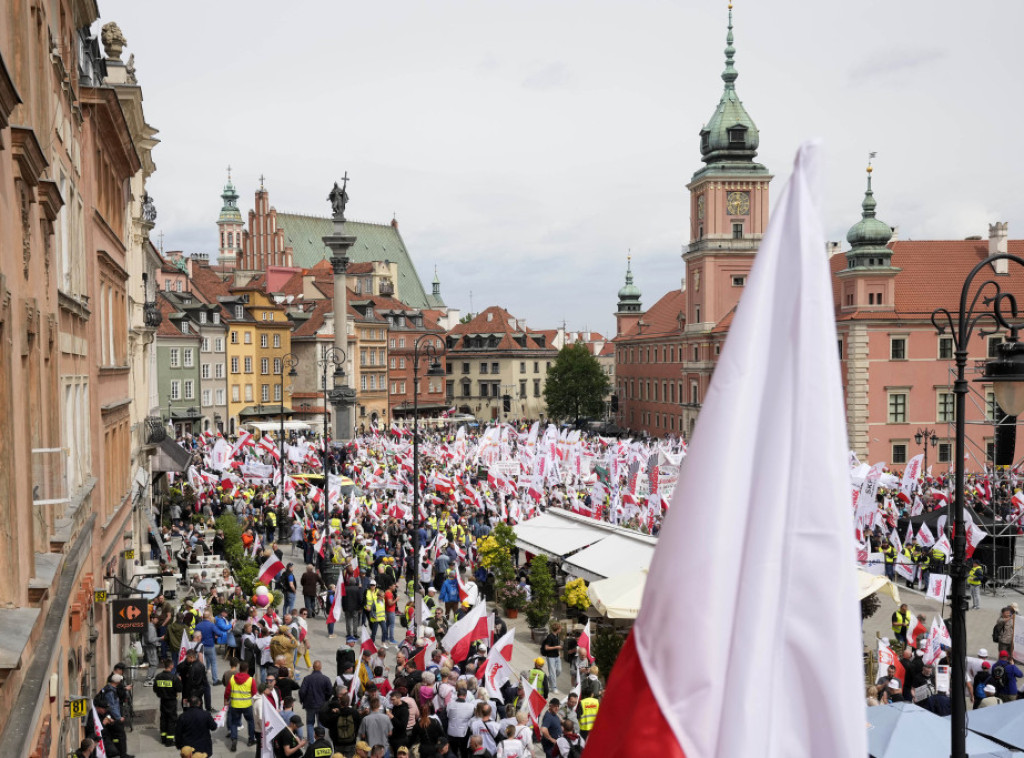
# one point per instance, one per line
(396, 688)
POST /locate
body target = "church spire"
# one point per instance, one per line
(629, 295)
(729, 74)
(869, 237)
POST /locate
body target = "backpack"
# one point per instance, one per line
(346, 729)
(995, 632)
(998, 677)
(576, 750)
(281, 583)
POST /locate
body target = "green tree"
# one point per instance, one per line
(576, 385)
(542, 587)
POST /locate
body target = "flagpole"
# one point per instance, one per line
(289, 360)
(1005, 373)
(332, 356)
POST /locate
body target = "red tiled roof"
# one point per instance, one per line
(365, 267)
(722, 327)
(495, 320)
(167, 328)
(315, 320)
(661, 318)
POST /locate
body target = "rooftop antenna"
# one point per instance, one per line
(161, 235)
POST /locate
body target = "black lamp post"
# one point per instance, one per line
(924, 437)
(1006, 374)
(289, 360)
(432, 346)
(332, 356)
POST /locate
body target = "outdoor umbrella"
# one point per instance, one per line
(905, 730)
(618, 597)
(1004, 723)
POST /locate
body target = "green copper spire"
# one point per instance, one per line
(869, 237)
(629, 295)
(730, 136)
(229, 211)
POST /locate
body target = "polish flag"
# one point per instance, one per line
(770, 453)
(423, 656)
(498, 666)
(463, 591)
(335, 613)
(244, 440)
(273, 725)
(221, 718)
(584, 640)
(270, 568)
(886, 658)
(535, 705)
(97, 726)
(365, 643)
(464, 632)
(266, 444)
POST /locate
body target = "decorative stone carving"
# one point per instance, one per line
(148, 209)
(339, 264)
(28, 154)
(113, 40)
(25, 205)
(129, 70)
(339, 199)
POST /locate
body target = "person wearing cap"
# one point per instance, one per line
(537, 679)
(321, 747)
(194, 727)
(893, 692)
(990, 698)
(375, 614)
(551, 729)
(363, 749)
(1005, 674)
(288, 743)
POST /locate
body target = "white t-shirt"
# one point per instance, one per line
(564, 745)
(511, 749)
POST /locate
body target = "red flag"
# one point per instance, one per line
(422, 656)
(270, 568)
(498, 666)
(535, 703)
(465, 631)
(584, 640)
(463, 592)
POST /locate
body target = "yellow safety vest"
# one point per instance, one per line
(536, 679)
(375, 606)
(974, 577)
(241, 698)
(589, 706)
(898, 627)
(889, 553)
(272, 518)
(335, 523)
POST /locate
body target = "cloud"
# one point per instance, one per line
(554, 75)
(880, 64)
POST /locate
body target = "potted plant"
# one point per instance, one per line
(542, 586)
(576, 598)
(512, 598)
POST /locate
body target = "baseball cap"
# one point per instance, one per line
(982, 653)
(986, 665)
(989, 689)
(1004, 654)
(361, 745)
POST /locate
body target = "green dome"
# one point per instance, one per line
(629, 294)
(730, 134)
(869, 237)
(229, 211)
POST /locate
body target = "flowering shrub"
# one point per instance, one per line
(511, 596)
(575, 595)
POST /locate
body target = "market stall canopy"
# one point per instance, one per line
(870, 584)
(1003, 723)
(614, 555)
(619, 597)
(274, 427)
(905, 730)
(556, 535)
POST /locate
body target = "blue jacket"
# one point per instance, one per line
(113, 702)
(209, 632)
(1013, 673)
(223, 630)
(449, 591)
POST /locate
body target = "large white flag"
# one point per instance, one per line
(465, 631)
(498, 666)
(273, 725)
(764, 495)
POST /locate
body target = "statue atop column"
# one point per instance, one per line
(339, 199)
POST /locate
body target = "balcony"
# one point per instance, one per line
(156, 430)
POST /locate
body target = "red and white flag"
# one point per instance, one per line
(584, 640)
(335, 613)
(465, 631)
(273, 725)
(535, 705)
(221, 717)
(938, 587)
(97, 728)
(924, 536)
(769, 459)
(267, 445)
(270, 568)
(365, 643)
(421, 658)
(463, 590)
(244, 440)
(498, 666)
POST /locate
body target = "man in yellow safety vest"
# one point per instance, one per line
(589, 707)
(374, 608)
(238, 697)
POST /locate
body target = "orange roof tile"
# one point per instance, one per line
(661, 318)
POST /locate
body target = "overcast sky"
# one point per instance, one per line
(526, 146)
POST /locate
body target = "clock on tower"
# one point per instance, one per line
(738, 203)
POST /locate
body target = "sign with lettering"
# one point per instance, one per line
(78, 707)
(99, 596)
(129, 615)
(129, 555)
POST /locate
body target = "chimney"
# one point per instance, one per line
(832, 248)
(895, 233)
(997, 237)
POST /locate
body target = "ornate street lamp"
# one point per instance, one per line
(1006, 374)
(332, 356)
(923, 438)
(433, 347)
(289, 360)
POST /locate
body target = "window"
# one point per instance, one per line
(168, 285)
(362, 382)
(993, 346)
(247, 338)
(522, 388)
(234, 365)
(202, 317)
(218, 371)
(736, 136)
(737, 231)
(696, 313)
(248, 393)
(946, 407)
(235, 394)
(696, 353)
(216, 318)
(205, 372)
(990, 451)
(267, 316)
(897, 408)
(206, 397)
(495, 369)
(189, 357)
(175, 389)
(373, 357)
(391, 343)
(401, 364)
(898, 348)
(899, 452)
(206, 345)
(401, 341)
(946, 348)
(536, 387)
(871, 298)
(402, 388)
(190, 392)
(739, 281)
(248, 364)
(264, 365)
(277, 340)
(234, 338)
(522, 367)
(277, 393)
(277, 366)
(394, 362)
(694, 393)
(362, 357)
(175, 357)
(991, 406)
(483, 368)
(394, 388)
(945, 452)
(264, 340)
(219, 396)
(265, 393)
(239, 311)
(839, 344)
(536, 367)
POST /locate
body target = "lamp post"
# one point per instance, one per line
(432, 346)
(923, 438)
(289, 360)
(1006, 374)
(332, 356)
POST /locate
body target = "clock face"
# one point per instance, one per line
(738, 203)
(700, 207)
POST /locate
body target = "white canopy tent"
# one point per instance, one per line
(556, 534)
(614, 555)
(619, 597)
(274, 427)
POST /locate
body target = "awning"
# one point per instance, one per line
(614, 555)
(870, 584)
(275, 426)
(264, 410)
(555, 536)
(170, 456)
(619, 597)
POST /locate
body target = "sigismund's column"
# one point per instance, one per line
(343, 396)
